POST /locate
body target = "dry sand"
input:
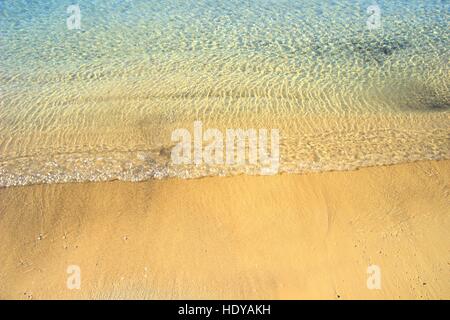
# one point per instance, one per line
(288, 236)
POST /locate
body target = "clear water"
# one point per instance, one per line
(100, 103)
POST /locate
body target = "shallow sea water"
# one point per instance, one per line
(100, 103)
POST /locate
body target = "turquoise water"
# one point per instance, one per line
(100, 102)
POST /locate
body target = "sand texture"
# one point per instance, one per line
(287, 236)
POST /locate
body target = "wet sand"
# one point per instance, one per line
(245, 237)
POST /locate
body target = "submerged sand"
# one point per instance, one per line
(245, 237)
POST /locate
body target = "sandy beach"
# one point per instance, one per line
(245, 237)
(225, 149)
